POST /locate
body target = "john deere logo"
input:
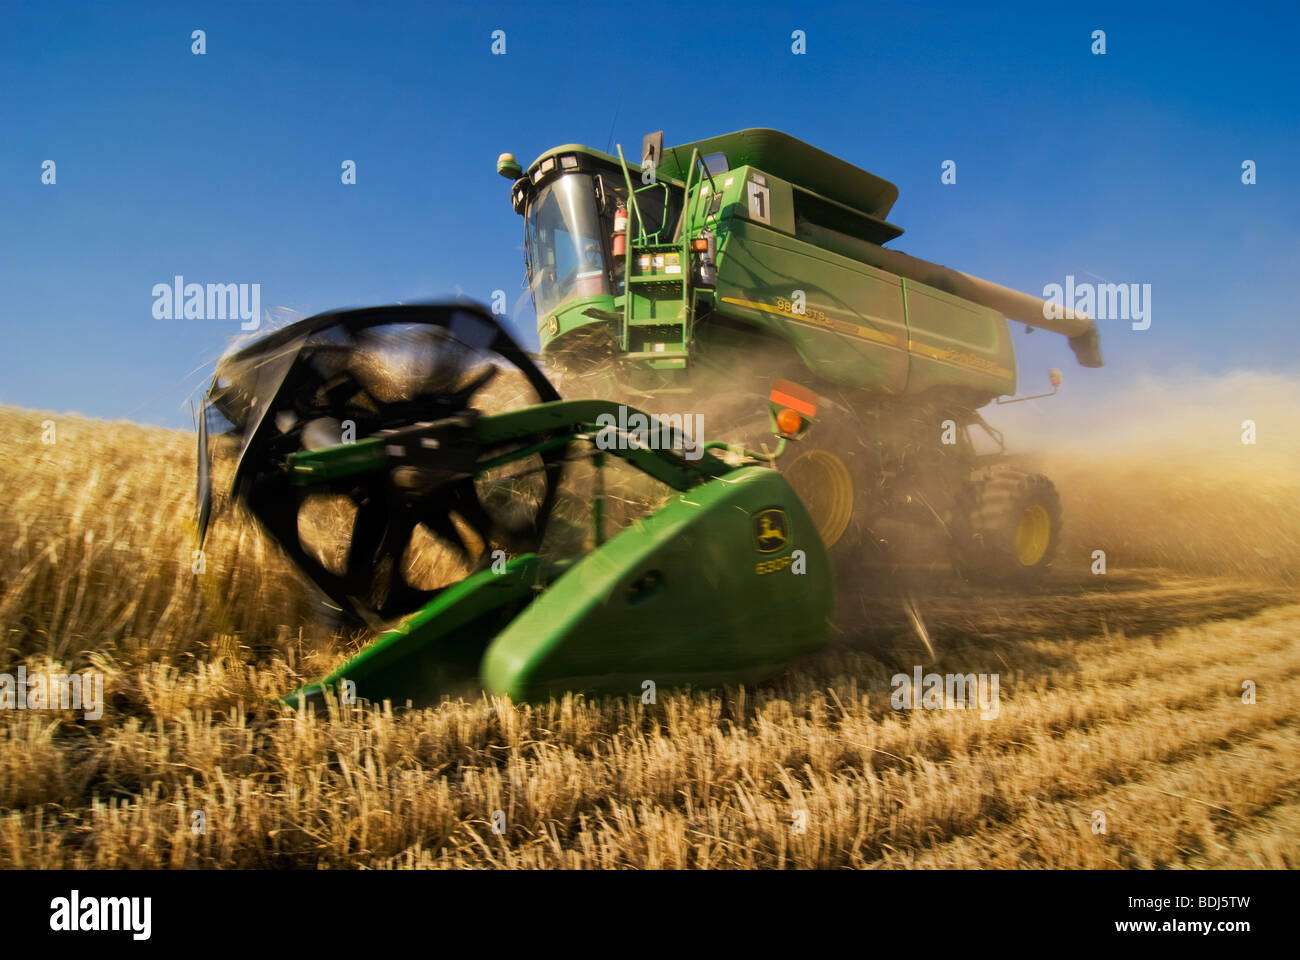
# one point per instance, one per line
(770, 531)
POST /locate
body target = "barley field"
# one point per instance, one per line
(1121, 699)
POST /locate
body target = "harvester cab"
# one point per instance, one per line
(608, 257)
(408, 460)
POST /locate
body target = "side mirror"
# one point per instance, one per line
(1053, 375)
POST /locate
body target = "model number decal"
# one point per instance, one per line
(817, 316)
(819, 319)
(764, 567)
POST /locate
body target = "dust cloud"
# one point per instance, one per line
(1157, 473)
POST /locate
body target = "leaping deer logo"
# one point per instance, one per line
(770, 530)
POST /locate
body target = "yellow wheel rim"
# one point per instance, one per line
(1033, 533)
(822, 481)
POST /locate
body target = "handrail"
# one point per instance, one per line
(688, 305)
(627, 253)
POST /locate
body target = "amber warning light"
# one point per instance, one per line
(793, 407)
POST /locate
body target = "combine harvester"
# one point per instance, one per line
(745, 275)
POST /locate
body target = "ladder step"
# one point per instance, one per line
(670, 353)
(670, 363)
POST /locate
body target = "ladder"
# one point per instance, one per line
(658, 302)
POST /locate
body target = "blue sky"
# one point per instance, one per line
(225, 168)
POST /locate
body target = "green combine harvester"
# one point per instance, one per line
(743, 279)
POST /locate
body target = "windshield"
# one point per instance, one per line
(566, 243)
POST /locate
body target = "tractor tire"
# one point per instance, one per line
(1012, 528)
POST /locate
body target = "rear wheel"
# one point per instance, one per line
(1012, 529)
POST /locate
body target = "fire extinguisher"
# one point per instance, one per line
(620, 230)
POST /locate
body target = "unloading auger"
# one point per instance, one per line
(427, 425)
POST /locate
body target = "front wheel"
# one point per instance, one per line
(830, 469)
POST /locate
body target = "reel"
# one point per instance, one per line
(345, 380)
